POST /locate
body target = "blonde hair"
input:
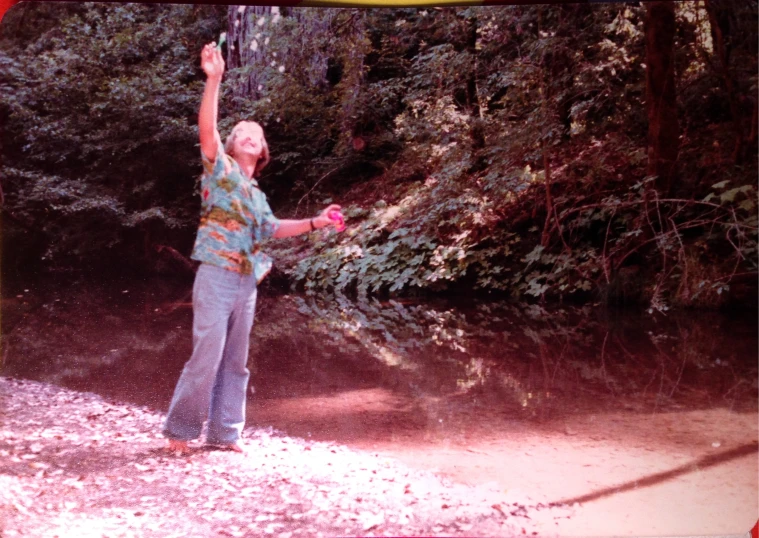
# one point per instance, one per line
(263, 159)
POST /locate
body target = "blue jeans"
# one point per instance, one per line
(214, 380)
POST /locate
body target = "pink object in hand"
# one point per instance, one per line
(338, 218)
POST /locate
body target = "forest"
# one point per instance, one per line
(589, 153)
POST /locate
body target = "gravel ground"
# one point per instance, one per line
(73, 464)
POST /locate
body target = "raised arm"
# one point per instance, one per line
(212, 64)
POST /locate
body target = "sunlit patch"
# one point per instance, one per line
(71, 522)
(342, 404)
(390, 358)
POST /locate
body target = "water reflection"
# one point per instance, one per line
(341, 368)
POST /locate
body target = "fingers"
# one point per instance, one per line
(210, 52)
(211, 60)
(326, 211)
(330, 218)
(208, 48)
(218, 59)
(206, 54)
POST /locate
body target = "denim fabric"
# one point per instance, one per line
(213, 382)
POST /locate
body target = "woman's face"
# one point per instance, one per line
(249, 140)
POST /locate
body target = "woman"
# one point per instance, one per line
(235, 219)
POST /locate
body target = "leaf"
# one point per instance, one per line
(729, 196)
(721, 184)
(533, 256)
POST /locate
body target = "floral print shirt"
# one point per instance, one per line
(235, 219)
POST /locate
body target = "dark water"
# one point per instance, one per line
(128, 341)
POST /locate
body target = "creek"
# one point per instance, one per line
(475, 390)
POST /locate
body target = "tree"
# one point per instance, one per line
(298, 72)
(493, 148)
(733, 25)
(661, 102)
(99, 132)
(247, 42)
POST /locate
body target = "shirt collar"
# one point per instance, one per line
(251, 180)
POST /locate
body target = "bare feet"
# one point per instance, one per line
(177, 445)
(237, 446)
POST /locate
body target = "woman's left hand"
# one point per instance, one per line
(323, 219)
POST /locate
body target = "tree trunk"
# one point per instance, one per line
(352, 29)
(246, 46)
(314, 22)
(720, 20)
(472, 94)
(661, 102)
(253, 40)
(571, 17)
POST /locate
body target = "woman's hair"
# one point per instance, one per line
(263, 159)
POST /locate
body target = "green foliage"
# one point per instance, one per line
(310, 97)
(389, 252)
(370, 258)
(99, 134)
(505, 150)
(478, 126)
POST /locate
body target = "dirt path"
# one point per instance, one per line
(72, 464)
(676, 473)
(623, 489)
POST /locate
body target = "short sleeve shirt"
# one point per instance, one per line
(235, 219)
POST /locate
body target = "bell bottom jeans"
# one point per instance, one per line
(213, 382)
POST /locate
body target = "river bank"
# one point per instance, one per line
(74, 464)
(649, 423)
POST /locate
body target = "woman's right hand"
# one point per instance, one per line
(211, 61)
